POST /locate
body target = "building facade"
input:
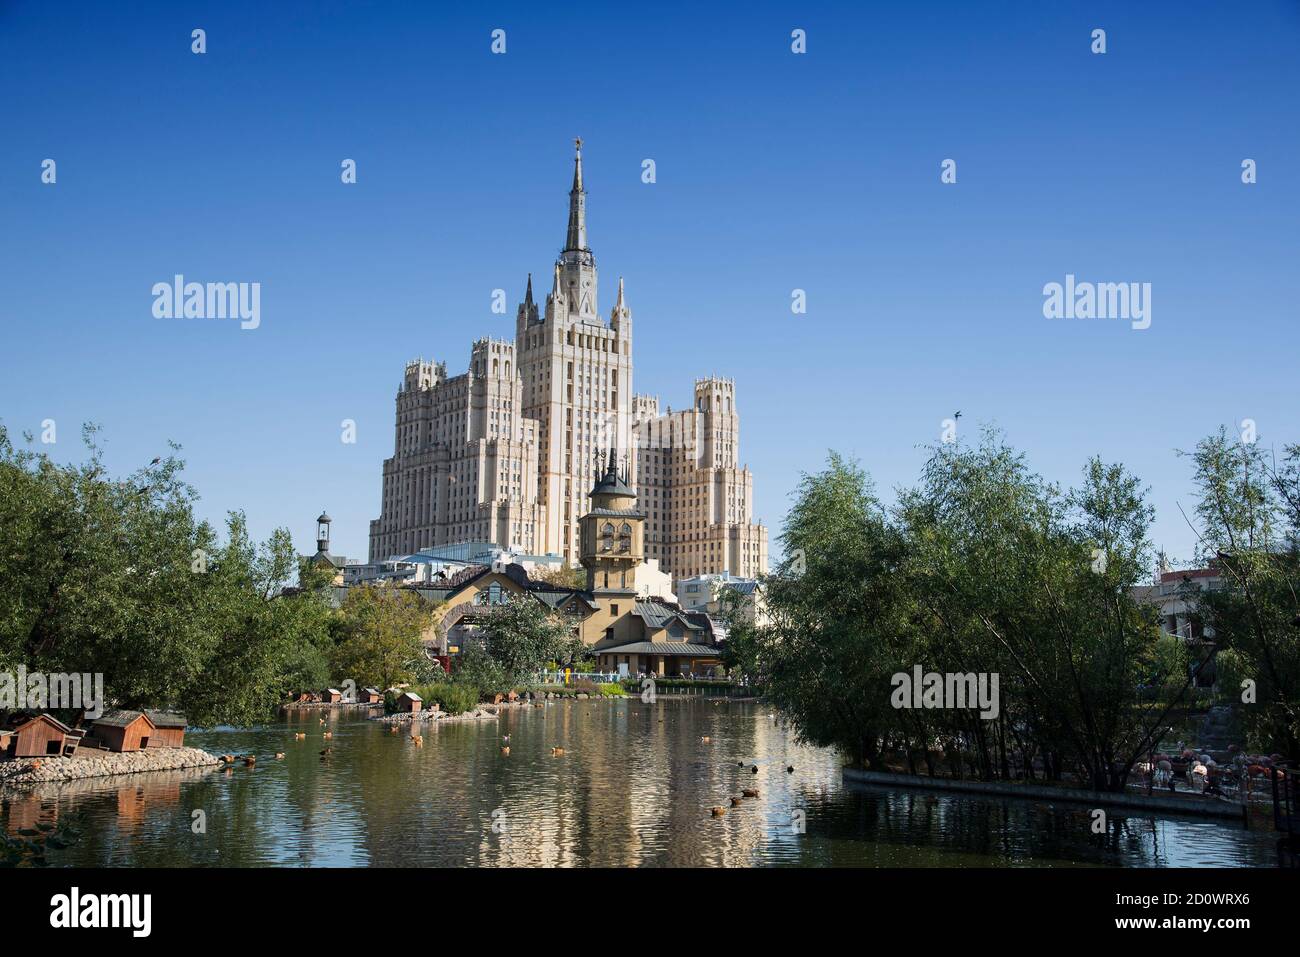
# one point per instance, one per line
(504, 452)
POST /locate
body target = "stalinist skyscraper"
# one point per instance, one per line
(506, 452)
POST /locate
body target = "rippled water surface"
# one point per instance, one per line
(633, 788)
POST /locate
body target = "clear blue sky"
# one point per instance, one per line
(775, 172)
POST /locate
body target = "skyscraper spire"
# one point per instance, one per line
(577, 234)
(579, 265)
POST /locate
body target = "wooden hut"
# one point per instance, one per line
(370, 696)
(331, 696)
(171, 729)
(124, 730)
(409, 701)
(39, 737)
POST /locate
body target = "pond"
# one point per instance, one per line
(634, 787)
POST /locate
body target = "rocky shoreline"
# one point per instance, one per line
(426, 717)
(43, 770)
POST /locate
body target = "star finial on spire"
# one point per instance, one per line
(577, 142)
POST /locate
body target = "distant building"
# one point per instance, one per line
(626, 613)
(650, 582)
(724, 596)
(501, 452)
(432, 566)
(1170, 592)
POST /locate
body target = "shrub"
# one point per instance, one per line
(454, 697)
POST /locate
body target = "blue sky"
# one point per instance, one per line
(775, 171)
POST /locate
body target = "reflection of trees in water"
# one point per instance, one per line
(121, 812)
(1020, 831)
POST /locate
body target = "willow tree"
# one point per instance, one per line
(837, 615)
(1247, 519)
(1023, 578)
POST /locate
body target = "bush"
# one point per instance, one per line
(477, 668)
(454, 697)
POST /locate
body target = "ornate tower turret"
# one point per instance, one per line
(323, 533)
(612, 534)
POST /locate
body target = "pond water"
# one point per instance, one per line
(634, 787)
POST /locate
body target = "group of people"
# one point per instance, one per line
(1204, 775)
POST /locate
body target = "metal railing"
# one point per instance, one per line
(1284, 799)
(569, 677)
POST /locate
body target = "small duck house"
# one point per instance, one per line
(331, 696)
(409, 701)
(40, 736)
(124, 730)
(170, 729)
(370, 696)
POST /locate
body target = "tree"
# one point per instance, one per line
(379, 636)
(117, 576)
(981, 569)
(836, 626)
(1248, 513)
(566, 576)
(1034, 584)
(522, 636)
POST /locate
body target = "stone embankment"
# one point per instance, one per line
(1181, 803)
(102, 764)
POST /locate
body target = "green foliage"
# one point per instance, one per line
(477, 667)
(117, 576)
(566, 576)
(1248, 513)
(981, 568)
(520, 638)
(378, 631)
(454, 697)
